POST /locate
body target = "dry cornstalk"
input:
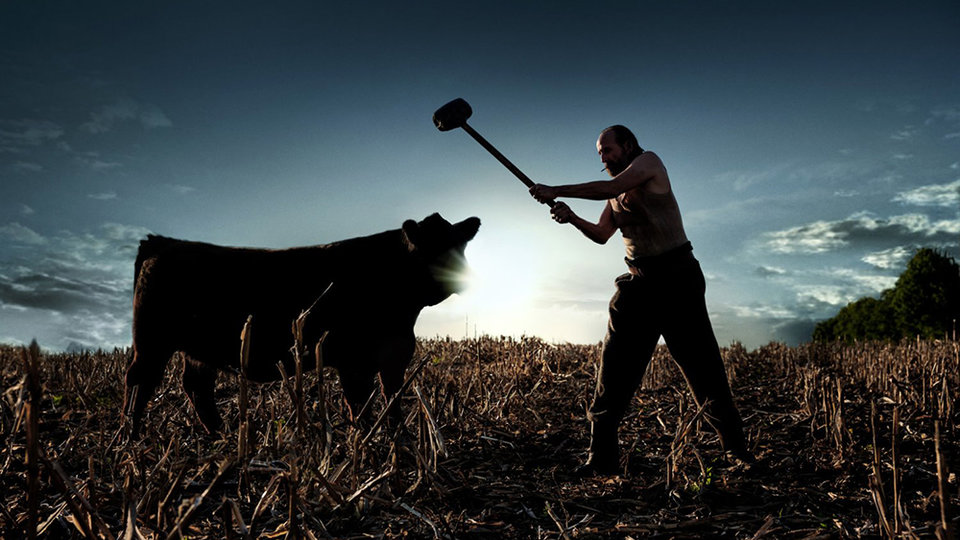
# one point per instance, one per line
(292, 481)
(231, 512)
(298, 404)
(945, 529)
(325, 439)
(187, 516)
(876, 483)
(556, 521)
(414, 511)
(679, 440)
(31, 361)
(435, 438)
(85, 515)
(895, 462)
(243, 433)
(386, 410)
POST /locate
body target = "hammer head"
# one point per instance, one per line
(452, 115)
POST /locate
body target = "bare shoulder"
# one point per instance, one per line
(649, 159)
(655, 170)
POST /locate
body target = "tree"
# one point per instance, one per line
(926, 298)
(924, 302)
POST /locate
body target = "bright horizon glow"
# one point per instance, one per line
(501, 278)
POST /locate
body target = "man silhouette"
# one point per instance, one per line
(661, 295)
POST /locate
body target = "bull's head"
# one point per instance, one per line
(437, 248)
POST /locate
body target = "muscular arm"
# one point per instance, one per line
(599, 232)
(647, 167)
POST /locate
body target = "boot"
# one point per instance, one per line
(604, 455)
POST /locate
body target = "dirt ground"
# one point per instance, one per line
(847, 440)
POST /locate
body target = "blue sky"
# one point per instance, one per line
(812, 147)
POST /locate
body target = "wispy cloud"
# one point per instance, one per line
(105, 196)
(181, 190)
(824, 236)
(23, 166)
(81, 281)
(16, 233)
(28, 132)
(93, 161)
(888, 259)
(743, 180)
(946, 195)
(817, 296)
(905, 134)
(769, 271)
(949, 115)
(816, 237)
(126, 110)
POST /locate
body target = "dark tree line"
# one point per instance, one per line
(924, 302)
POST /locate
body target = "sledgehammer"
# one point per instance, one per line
(454, 115)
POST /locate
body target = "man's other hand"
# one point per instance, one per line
(561, 213)
(543, 193)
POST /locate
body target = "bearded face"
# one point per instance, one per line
(615, 166)
(612, 154)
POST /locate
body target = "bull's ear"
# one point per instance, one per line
(466, 229)
(411, 234)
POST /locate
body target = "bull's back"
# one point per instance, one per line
(201, 294)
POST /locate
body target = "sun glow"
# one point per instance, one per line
(501, 278)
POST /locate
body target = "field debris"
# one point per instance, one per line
(852, 441)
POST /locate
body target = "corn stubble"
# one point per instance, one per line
(852, 440)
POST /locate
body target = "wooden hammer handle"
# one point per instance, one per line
(501, 158)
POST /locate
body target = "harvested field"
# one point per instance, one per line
(852, 441)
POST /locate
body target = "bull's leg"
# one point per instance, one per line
(144, 374)
(357, 387)
(393, 358)
(199, 382)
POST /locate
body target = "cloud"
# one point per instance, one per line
(28, 132)
(105, 196)
(950, 115)
(152, 117)
(22, 166)
(905, 134)
(945, 195)
(26, 210)
(126, 110)
(79, 282)
(862, 283)
(863, 228)
(888, 259)
(769, 271)
(17, 234)
(813, 296)
(100, 165)
(763, 311)
(181, 190)
(816, 237)
(742, 180)
(60, 293)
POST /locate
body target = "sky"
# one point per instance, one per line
(812, 147)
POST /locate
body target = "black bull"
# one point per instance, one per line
(194, 298)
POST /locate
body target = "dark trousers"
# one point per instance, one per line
(662, 299)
